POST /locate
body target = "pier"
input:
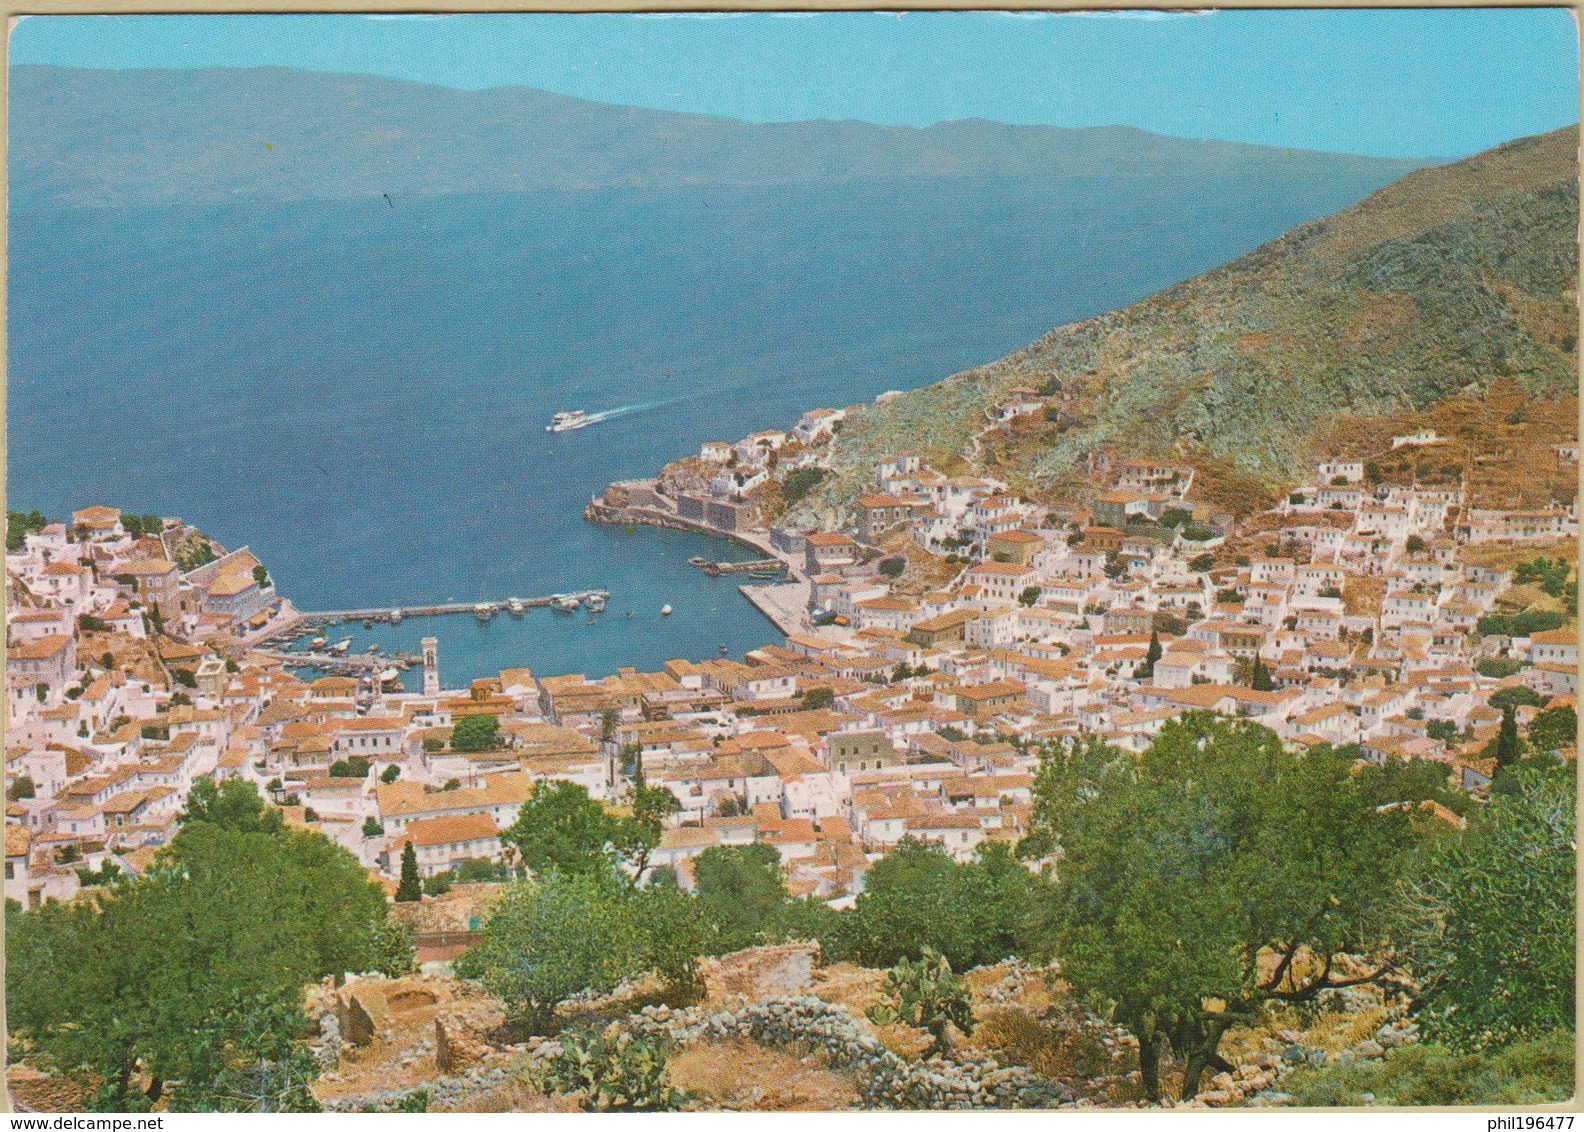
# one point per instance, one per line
(763, 564)
(384, 613)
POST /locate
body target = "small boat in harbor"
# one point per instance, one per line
(514, 607)
(595, 603)
(765, 577)
(395, 616)
(483, 611)
(564, 603)
(317, 643)
(665, 611)
(565, 422)
(629, 615)
(373, 649)
(341, 646)
(368, 623)
(724, 650)
(697, 561)
(390, 676)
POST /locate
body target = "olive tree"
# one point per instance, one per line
(1212, 874)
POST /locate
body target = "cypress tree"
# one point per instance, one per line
(1507, 738)
(1147, 669)
(411, 888)
(1260, 680)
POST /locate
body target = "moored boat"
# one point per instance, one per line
(514, 607)
(564, 603)
(341, 646)
(483, 611)
(665, 611)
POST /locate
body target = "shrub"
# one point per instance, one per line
(355, 766)
(613, 1072)
(372, 827)
(925, 993)
(1525, 1073)
(800, 482)
(1497, 667)
(893, 567)
(476, 733)
(1524, 624)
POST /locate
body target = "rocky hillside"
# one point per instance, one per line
(1446, 281)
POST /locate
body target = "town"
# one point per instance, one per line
(931, 646)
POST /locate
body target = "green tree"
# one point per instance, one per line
(1491, 935)
(373, 828)
(741, 890)
(816, 698)
(354, 766)
(916, 897)
(1260, 677)
(261, 576)
(233, 804)
(1554, 729)
(390, 774)
(1506, 748)
(1193, 876)
(893, 567)
(410, 888)
(21, 787)
(1516, 696)
(19, 525)
(1497, 667)
(799, 482)
(1146, 670)
(193, 974)
(560, 828)
(1030, 596)
(479, 732)
(550, 939)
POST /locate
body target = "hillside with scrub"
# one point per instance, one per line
(1447, 281)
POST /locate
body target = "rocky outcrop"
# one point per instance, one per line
(760, 972)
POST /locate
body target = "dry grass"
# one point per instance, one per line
(845, 984)
(743, 1075)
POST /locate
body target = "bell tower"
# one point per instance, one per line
(431, 663)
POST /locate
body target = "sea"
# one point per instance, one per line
(358, 390)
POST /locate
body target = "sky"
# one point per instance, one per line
(1403, 83)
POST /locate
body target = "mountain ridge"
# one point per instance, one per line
(1444, 281)
(106, 138)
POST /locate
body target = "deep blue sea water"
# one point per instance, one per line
(359, 391)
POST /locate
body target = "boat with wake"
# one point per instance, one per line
(567, 421)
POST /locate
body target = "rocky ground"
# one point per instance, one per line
(775, 1031)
